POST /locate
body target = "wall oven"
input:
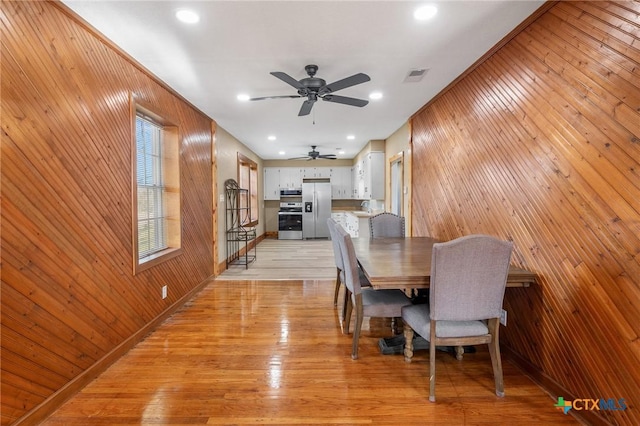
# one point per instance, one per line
(290, 221)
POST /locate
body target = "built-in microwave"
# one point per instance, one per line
(290, 192)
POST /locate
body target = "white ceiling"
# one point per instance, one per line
(237, 43)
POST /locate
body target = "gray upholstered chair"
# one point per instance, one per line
(364, 282)
(331, 223)
(386, 225)
(468, 279)
(366, 301)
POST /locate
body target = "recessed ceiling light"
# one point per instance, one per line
(351, 137)
(281, 152)
(375, 95)
(271, 138)
(341, 152)
(187, 16)
(243, 97)
(426, 12)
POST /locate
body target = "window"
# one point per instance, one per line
(156, 217)
(248, 179)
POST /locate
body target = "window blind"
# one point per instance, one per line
(152, 232)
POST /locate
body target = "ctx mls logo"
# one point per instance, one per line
(563, 405)
(588, 404)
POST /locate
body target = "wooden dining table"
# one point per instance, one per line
(405, 263)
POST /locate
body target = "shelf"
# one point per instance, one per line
(241, 234)
(239, 237)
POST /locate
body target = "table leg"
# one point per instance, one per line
(408, 341)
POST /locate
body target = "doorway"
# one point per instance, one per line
(396, 182)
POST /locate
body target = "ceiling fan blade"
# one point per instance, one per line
(344, 83)
(306, 108)
(313, 154)
(274, 97)
(345, 100)
(287, 79)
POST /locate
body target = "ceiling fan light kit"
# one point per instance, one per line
(314, 155)
(314, 88)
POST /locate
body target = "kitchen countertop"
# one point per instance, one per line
(358, 213)
(361, 213)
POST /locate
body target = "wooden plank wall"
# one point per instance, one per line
(69, 297)
(541, 145)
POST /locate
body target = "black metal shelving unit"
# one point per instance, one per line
(239, 237)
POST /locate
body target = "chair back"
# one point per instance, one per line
(349, 261)
(386, 225)
(468, 278)
(337, 254)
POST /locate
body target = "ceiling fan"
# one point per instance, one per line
(313, 155)
(314, 88)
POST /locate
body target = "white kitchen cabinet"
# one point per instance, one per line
(341, 186)
(317, 172)
(290, 177)
(355, 176)
(271, 183)
(363, 181)
(359, 184)
(363, 227)
(277, 178)
(340, 218)
(376, 175)
(370, 177)
(352, 225)
(357, 225)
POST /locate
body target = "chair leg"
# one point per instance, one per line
(345, 302)
(494, 351)
(348, 308)
(408, 341)
(459, 352)
(432, 363)
(358, 326)
(337, 290)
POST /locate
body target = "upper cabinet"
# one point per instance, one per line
(317, 172)
(277, 178)
(291, 177)
(369, 176)
(364, 181)
(341, 183)
(271, 183)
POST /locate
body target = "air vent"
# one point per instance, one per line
(415, 75)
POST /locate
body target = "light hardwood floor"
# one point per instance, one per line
(287, 260)
(272, 352)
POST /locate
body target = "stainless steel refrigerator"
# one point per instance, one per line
(316, 209)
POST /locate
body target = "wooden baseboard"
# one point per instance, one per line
(222, 266)
(53, 402)
(554, 389)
